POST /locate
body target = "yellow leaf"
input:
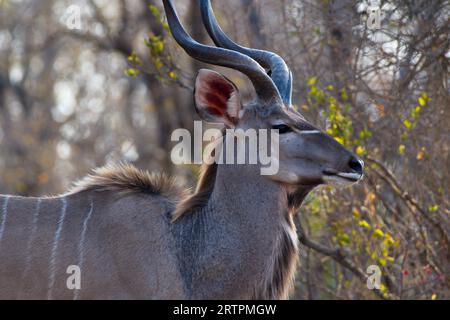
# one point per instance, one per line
(364, 224)
(356, 213)
(339, 117)
(407, 124)
(415, 112)
(382, 262)
(312, 81)
(378, 233)
(153, 9)
(344, 95)
(433, 296)
(421, 154)
(344, 239)
(132, 72)
(401, 149)
(422, 101)
(339, 139)
(157, 63)
(360, 150)
(172, 75)
(313, 91)
(389, 239)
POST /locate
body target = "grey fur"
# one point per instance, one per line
(133, 250)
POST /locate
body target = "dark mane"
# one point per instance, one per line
(205, 186)
(125, 179)
(202, 193)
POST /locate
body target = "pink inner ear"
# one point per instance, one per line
(217, 93)
(221, 87)
(216, 96)
(216, 103)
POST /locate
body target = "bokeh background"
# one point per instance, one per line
(83, 83)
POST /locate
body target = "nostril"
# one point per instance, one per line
(355, 165)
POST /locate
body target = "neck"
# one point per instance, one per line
(240, 191)
(242, 242)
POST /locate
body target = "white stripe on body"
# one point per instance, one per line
(55, 248)
(34, 225)
(4, 216)
(81, 244)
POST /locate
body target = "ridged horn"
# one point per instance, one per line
(265, 88)
(279, 71)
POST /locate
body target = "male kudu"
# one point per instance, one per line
(137, 235)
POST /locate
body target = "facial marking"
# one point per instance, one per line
(309, 131)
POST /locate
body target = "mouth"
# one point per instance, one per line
(342, 178)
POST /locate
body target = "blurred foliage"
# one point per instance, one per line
(364, 233)
(160, 57)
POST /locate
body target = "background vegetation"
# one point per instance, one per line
(115, 89)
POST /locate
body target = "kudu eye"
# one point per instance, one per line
(282, 128)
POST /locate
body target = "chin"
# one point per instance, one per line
(293, 180)
(342, 180)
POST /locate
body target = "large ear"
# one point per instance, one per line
(216, 98)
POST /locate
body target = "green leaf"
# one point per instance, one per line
(154, 10)
(433, 208)
(131, 72)
(344, 95)
(313, 91)
(344, 239)
(415, 112)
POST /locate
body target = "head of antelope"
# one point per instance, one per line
(307, 156)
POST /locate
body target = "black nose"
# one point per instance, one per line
(356, 165)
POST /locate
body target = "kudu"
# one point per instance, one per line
(137, 235)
